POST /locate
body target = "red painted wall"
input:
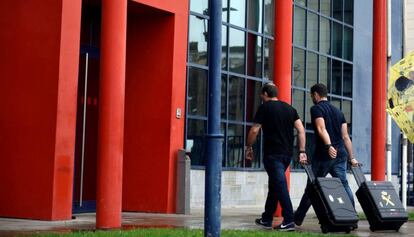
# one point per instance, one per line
(39, 63)
(155, 87)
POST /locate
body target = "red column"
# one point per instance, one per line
(283, 57)
(379, 75)
(111, 114)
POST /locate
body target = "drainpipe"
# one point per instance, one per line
(389, 130)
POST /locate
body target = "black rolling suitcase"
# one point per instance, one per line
(380, 203)
(331, 203)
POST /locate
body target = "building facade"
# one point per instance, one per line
(94, 115)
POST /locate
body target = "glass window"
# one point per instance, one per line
(299, 27)
(268, 58)
(223, 96)
(199, 6)
(337, 9)
(235, 146)
(254, 19)
(349, 11)
(197, 91)
(269, 17)
(252, 98)
(195, 142)
(301, 3)
(336, 102)
(347, 110)
(224, 47)
(236, 98)
(225, 10)
(254, 55)
(298, 67)
(238, 12)
(336, 77)
(325, 33)
(326, 7)
(312, 69)
(197, 38)
(237, 51)
(313, 30)
(308, 118)
(298, 102)
(347, 80)
(324, 70)
(255, 163)
(348, 43)
(313, 5)
(337, 40)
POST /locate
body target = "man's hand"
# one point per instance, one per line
(332, 152)
(249, 153)
(354, 162)
(303, 158)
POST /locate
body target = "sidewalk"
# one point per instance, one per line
(235, 218)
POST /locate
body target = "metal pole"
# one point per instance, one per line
(404, 172)
(85, 96)
(212, 208)
(388, 118)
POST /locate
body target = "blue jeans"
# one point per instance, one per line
(335, 167)
(275, 166)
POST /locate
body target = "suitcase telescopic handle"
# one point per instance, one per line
(358, 174)
(309, 172)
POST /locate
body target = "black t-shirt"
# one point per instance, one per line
(334, 119)
(277, 119)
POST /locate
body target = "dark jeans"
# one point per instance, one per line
(335, 167)
(276, 166)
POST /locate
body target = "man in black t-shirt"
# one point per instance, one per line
(277, 120)
(332, 145)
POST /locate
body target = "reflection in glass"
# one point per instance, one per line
(337, 40)
(254, 55)
(223, 96)
(197, 91)
(347, 110)
(324, 70)
(336, 77)
(195, 142)
(269, 17)
(337, 9)
(236, 98)
(313, 4)
(225, 10)
(347, 80)
(349, 11)
(348, 43)
(326, 7)
(301, 3)
(299, 28)
(312, 69)
(298, 67)
(238, 12)
(309, 104)
(255, 163)
(298, 102)
(197, 41)
(253, 99)
(235, 146)
(268, 58)
(254, 19)
(312, 35)
(237, 51)
(199, 6)
(336, 102)
(325, 33)
(224, 47)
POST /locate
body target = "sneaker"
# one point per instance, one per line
(265, 224)
(286, 227)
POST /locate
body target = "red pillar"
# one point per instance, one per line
(283, 57)
(111, 114)
(379, 75)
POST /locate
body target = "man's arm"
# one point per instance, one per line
(323, 134)
(348, 144)
(301, 141)
(251, 139)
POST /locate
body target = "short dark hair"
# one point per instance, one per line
(270, 89)
(320, 89)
